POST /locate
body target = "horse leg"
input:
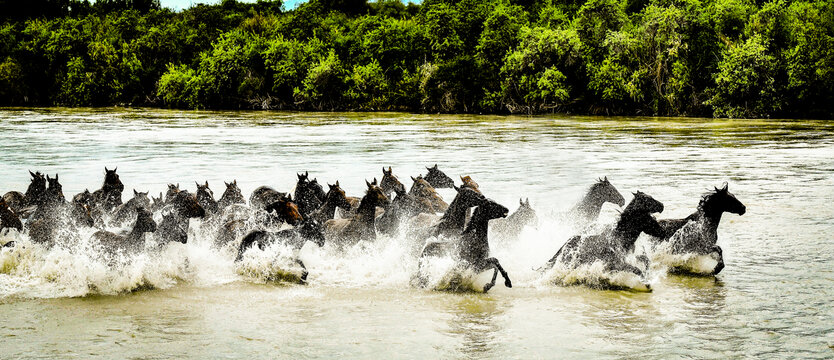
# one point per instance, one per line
(304, 272)
(497, 265)
(490, 284)
(720, 265)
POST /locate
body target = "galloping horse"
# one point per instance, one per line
(510, 228)
(473, 248)
(309, 195)
(362, 226)
(390, 183)
(175, 217)
(8, 217)
(334, 199)
(206, 198)
(586, 211)
(422, 189)
(613, 245)
(232, 195)
(438, 179)
(309, 230)
(132, 242)
(110, 195)
(698, 232)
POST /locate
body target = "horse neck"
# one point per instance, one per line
(329, 207)
(591, 204)
(456, 211)
(628, 228)
(367, 210)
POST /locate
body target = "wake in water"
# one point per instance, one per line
(101, 246)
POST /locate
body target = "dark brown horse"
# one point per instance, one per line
(422, 189)
(309, 195)
(263, 196)
(309, 230)
(473, 248)
(335, 198)
(346, 232)
(286, 211)
(390, 183)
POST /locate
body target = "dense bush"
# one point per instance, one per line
(734, 58)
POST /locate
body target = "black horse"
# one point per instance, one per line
(175, 217)
(110, 195)
(206, 198)
(471, 250)
(309, 195)
(8, 217)
(587, 210)
(438, 179)
(125, 212)
(55, 215)
(132, 242)
(698, 233)
(308, 230)
(232, 195)
(263, 196)
(612, 246)
(451, 224)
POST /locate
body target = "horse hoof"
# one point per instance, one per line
(508, 283)
(9, 244)
(487, 287)
(718, 268)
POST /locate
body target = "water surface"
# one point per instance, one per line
(772, 300)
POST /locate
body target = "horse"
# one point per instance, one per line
(263, 196)
(437, 179)
(698, 232)
(471, 251)
(171, 192)
(8, 217)
(390, 183)
(452, 222)
(55, 214)
(469, 183)
(510, 227)
(126, 211)
(587, 210)
(15, 200)
(362, 225)
(110, 195)
(309, 230)
(285, 210)
(404, 206)
(309, 195)
(334, 199)
(157, 203)
(615, 243)
(232, 195)
(132, 242)
(175, 218)
(206, 198)
(34, 193)
(422, 189)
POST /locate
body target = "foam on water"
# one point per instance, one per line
(79, 268)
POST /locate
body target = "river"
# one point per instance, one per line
(773, 299)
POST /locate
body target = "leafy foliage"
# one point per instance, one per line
(735, 58)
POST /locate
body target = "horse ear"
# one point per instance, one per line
(56, 176)
(234, 182)
(527, 201)
(30, 173)
(367, 183)
(413, 179)
(461, 178)
(724, 187)
(207, 183)
(605, 179)
(225, 183)
(306, 174)
(198, 184)
(337, 182)
(115, 168)
(135, 192)
(520, 201)
(456, 188)
(375, 182)
(105, 170)
(389, 170)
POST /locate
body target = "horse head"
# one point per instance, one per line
(111, 180)
(36, 189)
(144, 220)
(607, 192)
(55, 191)
(140, 199)
(722, 200)
(172, 192)
(438, 179)
(286, 210)
(337, 196)
(389, 182)
(186, 205)
(469, 183)
(375, 195)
